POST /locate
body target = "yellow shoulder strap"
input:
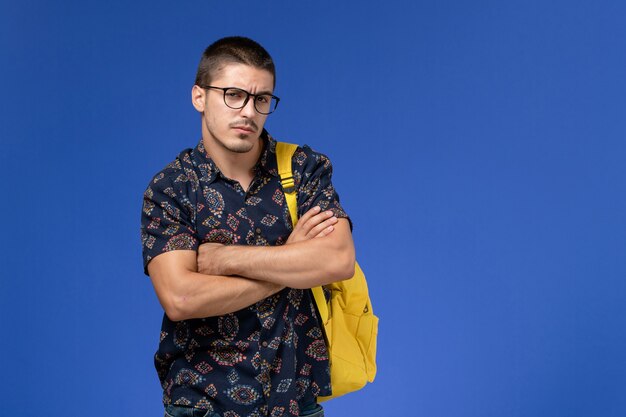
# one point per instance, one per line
(284, 155)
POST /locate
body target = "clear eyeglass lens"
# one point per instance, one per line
(265, 104)
(236, 98)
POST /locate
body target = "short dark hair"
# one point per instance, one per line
(232, 50)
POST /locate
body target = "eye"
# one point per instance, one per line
(235, 93)
(263, 99)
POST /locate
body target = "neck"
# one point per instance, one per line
(234, 165)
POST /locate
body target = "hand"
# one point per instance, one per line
(314, 223)
(208, 261)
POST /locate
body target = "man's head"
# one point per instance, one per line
(234, 93)
(232, 50)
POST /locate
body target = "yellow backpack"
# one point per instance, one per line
(350, 325)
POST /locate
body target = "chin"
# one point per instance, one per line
(241, 145)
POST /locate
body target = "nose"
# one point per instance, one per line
(248, 110)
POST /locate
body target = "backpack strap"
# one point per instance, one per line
(284, 156)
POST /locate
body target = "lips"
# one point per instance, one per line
(245, 127)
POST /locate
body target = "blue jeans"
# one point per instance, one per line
(314, 410)
(182, 411)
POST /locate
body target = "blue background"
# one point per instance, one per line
(478, 146)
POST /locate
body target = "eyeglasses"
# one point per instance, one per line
(236, 98)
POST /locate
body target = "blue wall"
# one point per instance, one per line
(478, 146)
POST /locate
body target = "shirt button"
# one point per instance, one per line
(258, 230)
(264, 344)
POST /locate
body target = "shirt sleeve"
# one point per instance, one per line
(168, 216)
(313, 178)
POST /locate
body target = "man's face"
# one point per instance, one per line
(236, 130)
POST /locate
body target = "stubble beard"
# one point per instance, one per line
(242, 146)
(246, 143)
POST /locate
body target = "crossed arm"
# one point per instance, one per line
(221, 279)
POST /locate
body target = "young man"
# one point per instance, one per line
(240, 334)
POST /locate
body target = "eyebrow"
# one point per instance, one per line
(257, 93)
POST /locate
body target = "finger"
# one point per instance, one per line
(318, 219)
(325, 232)
(304, 226)
(322, 226)
(303, 223)
(310, 213)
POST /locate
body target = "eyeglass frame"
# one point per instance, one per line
(245, 101)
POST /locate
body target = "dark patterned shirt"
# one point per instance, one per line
(266, 359)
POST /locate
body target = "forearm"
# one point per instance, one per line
(186, 294)
(300, 265)
(202, 295)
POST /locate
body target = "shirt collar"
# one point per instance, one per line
(266, 163)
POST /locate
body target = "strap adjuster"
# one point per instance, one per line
(289, 184)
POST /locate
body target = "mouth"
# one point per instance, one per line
(242, 129)
(245, 128)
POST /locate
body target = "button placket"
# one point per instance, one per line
(258, 236)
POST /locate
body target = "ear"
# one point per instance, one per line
(198, 97)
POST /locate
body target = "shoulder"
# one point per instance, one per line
(305, 159)
(302, 155)
(305, 154)
(178, 174)
(171, 191)
(308, 163)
